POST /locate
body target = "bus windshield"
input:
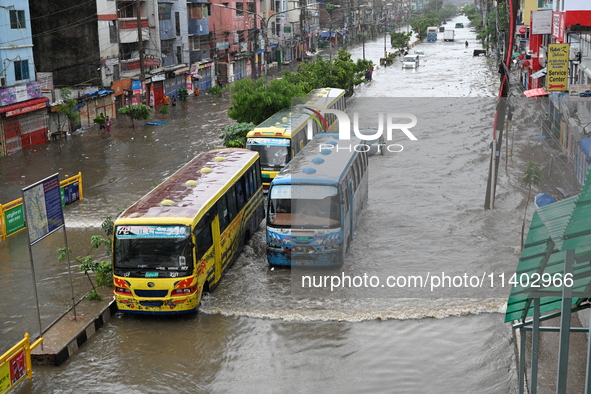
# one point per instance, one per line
(274, 152)
(150, 247)
(304, 206)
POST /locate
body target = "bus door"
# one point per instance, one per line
(217, 250)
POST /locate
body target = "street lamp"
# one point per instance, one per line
(265, 22)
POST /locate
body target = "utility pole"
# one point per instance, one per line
(140, 40)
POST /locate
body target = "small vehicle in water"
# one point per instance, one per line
(410, 61)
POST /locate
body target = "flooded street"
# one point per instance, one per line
(257, 332)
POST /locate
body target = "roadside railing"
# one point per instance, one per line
(15, 364)
(12, 214)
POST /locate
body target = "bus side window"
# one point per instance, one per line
(250, 188)
(203, 237)
(257, 179)
(223, 213)
(355, 176)
(240, 192)
(231, 198)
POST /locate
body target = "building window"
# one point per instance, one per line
(126, 10)
(239, 9)
(164, 11)
(113, 32)
(251, 7)
(177, 23)
(21, 70)
(17, 19)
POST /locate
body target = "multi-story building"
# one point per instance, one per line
(564, 26)
(23, 113)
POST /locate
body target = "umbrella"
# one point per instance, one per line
(544, 199)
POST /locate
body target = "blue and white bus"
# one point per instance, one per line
(315, 202)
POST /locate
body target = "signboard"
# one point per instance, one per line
(521, 29)
(14, 219)
(557, 67)
(45, 81)
(136, 86)
(12, 372)
(70, 193)
(579, 93)
(19, 93)
(135, 232)
(43, 207)
(26, 109)
(558, 26)
(541, 22)
(222, 45)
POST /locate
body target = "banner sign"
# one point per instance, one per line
(557, 66)
(43, 207)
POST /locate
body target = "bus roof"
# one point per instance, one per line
(323, 98)
(316, 163)
(190, 189)
(282, 124)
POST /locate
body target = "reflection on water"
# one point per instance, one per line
(424, 212)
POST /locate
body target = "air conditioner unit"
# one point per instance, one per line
(573, 51)
(2, 82)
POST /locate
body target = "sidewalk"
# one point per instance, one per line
(63, 338)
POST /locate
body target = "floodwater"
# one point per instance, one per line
(257, 332)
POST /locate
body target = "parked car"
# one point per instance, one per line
(375, 146)
(420, 53)
(410, 61)
(586, 93)
(473, 29)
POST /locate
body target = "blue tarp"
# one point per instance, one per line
(544, 199)
(585, 142)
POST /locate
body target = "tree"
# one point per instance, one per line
(316, 74)
(255, 101)
(183, 96)
(235, 134)
(137, 112)
(532, 176)
(399, 41)
(66, 111)
(103, 270)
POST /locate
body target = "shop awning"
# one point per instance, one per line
(26, 106)
(539, 74)
(554, 230)
(180, 71)
(535, 92)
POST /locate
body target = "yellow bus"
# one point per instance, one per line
(279, 138)
(177, 241)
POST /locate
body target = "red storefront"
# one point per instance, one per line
(23, 124)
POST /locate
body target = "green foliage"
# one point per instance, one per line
(255, 101)
(399, 41)
(532, 175)
(235, 134)
(183, 94)
(319, 73)
(137, 112)
(164, 110)
(103, 270)
(364, 64)
(215, 90)
(100, 120)
(66, 108)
